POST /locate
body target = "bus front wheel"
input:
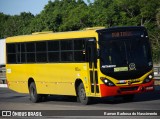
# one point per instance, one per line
(34, 97)
(82, 98)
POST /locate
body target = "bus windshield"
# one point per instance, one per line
(123, 55)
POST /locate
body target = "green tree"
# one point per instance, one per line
(102, 13)
(138, 12)
(155, 41)
(77, 18)
(17, 24)
(3, 19)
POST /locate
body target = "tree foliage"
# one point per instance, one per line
(70, 15)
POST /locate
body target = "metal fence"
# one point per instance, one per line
(2, 75)
(157, 72)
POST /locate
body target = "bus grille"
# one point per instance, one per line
(129, 88)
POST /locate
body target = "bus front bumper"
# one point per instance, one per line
(124, 90)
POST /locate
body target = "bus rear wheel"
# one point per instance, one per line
(82, 98)
(34, 97)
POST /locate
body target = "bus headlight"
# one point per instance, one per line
(107, 81)
(148, 79)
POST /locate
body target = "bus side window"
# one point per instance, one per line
(79, 50)
(11, 53)
(67, 50)
(53, 51)
(30, 48)
(41, 51)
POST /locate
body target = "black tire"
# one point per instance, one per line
(128, 98)
(82, 98)
(34, 97)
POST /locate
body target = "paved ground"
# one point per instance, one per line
(10, 100)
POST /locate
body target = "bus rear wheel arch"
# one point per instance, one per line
(34, 96)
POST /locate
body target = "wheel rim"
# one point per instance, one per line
(33, 92)
(82, 94)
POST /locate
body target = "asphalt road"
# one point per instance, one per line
(10, 100)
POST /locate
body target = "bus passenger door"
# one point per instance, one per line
(92, 59)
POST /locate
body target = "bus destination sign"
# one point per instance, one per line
(118, 34)
(122, 34)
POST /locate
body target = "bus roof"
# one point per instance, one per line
(41, 36)
(123, 28)
(85, 33)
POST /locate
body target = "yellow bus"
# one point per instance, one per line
(95, 62)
